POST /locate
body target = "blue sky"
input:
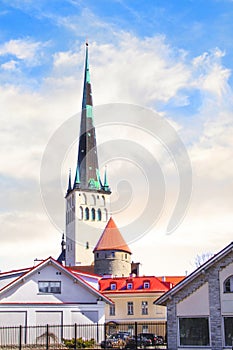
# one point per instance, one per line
(175, 57)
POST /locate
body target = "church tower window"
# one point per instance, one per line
(86, 213)
(80, 213)
(93, 214)
(99, 215)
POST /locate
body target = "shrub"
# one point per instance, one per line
(80, 343)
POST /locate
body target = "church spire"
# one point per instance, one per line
(87, 165)
(69, 188)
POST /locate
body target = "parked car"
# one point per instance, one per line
(160, 339)
(155, 339)
(130, 342)
(116, 340)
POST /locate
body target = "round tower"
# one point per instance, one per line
(112, 255)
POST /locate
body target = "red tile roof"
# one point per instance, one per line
(155, 285)
(173, 280)
(111, 239)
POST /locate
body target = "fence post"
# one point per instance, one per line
(47, 337)
(136, 334)
(97, 333)
(75, 336)
(105, 335)
(20, 337)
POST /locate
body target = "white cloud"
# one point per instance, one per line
(136, 71)
(213, 76)
(26, 50)
(10, 65)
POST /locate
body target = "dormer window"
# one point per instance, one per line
(113, 286)
(129, 285)
(146, 285)
(228, 285)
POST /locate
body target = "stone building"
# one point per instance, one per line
(200, 307)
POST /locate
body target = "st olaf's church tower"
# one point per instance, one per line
(87, 198)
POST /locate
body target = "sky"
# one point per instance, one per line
(173, 58)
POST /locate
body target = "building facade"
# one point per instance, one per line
(200, 308)
(133, 298)
(50, 293)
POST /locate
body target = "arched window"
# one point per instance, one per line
(105, 214)
(103, 201)
(228, 285)
(86, 213)
(83, 198)
(92, 200)
(80, 216)
(93, 214)
(99, 215)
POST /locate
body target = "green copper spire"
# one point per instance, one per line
(87, 164)
(87, 170)
(77, 179)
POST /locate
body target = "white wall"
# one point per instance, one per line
(196, 304)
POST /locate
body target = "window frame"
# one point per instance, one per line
(113, 286)
(112, 310)
(224, 332)
(129, 285)
(130, 308)
(229, 280)
(49, 289)
(144, 307)
(146, 284)
(188, 342)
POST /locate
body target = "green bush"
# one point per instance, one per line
(80, 343)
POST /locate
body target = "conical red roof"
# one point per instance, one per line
(111, 239)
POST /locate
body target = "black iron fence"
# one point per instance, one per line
(92, 336)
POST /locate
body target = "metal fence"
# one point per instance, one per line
(71, 336)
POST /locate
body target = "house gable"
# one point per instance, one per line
(73, 289)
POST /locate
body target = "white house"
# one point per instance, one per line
(200, 307)
(50, 293)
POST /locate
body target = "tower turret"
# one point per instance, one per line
(112, 255)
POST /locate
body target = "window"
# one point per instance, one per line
(228, 285)
(113, 254)
(80, 213)
(144, 308)
(228, 330)
(83, 198)
(130, 307)
(145, 328)
(113, 286)
(103, 201)
(146, 285)
(112, 310)
(131, 329)
(105, 214)
(99, 215)
(93, 214)
(86, 213)
(92, 200)
(194, 331)
(129, 285)
(49, 287)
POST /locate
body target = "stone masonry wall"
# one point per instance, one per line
(211, 275)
